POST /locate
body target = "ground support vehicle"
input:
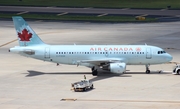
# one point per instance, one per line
(176, 70)
(82, 85)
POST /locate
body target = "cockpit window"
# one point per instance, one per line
(161, 52)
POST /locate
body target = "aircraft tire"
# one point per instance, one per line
(147, 71)
(92, 86)
(94, 73)
(84, 89)
(178, 72)
(92, 68)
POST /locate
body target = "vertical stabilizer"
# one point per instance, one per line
(26, 35)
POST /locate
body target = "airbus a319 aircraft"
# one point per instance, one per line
(112, 58)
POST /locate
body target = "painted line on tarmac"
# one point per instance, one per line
(68, 99)
(149, 101)
(177, 15)
(102, 15)
(51, 7)
(38, 20)
(88, 8)
(172, 48)
(172, 63)
(144, 15)
(22, 12)
(125, 8)
(164, 9)
(62, 13)
(8, 43)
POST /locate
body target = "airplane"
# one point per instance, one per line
(112, 58)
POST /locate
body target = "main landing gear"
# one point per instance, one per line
(94, 71)
(147, 69)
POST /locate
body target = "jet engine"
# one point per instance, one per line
(117, 68)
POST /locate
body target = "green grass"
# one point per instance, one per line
(175, 4)
(92, 18)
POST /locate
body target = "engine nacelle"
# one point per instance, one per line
(118, 68)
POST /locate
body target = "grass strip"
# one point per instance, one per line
(149, 4)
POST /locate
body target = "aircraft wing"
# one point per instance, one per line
(102, 61)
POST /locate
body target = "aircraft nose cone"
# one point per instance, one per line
(169, 57)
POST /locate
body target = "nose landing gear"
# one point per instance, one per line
(147, 69)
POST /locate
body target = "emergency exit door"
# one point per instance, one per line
(148, 53)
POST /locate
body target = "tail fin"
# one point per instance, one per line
(26, 35)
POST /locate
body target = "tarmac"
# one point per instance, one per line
(27, 83)
(90, 10)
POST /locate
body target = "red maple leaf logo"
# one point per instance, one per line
(138, 49)
(24, 36)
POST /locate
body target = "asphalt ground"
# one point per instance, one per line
(100, 11)
(27, 83)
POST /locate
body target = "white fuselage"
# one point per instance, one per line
(73, 54)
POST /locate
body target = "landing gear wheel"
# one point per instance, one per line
(92, 69)
(178, 72)
(95, 72)
(147, 71)
(84, 89)
(160, 71)
(92, 87)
